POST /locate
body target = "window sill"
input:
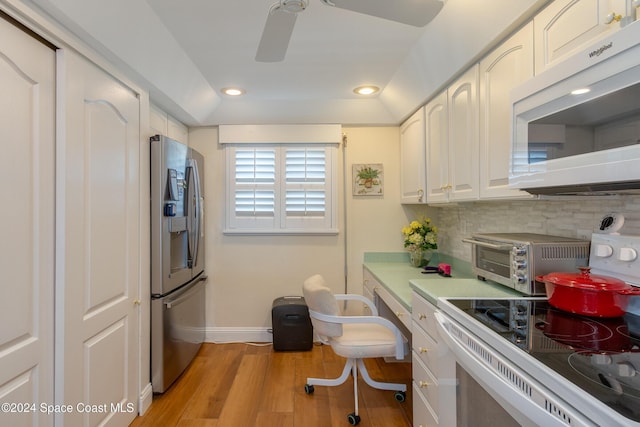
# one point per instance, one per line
(328, 232)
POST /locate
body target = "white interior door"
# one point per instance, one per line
(27, 117)
(97, 305)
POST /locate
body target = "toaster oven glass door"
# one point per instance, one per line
(495, 261)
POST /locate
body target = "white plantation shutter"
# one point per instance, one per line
(281, 188)
(305, 176)
(255, 177)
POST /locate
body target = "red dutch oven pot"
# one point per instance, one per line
(587, 294)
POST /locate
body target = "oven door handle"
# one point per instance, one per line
(499, 246)
(524, 410)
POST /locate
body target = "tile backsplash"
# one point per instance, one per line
(566, 217)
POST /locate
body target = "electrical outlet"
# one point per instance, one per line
(584, 234)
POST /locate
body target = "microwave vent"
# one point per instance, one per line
(566, 252)
(595, 189)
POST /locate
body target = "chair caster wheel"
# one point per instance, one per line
(353, 419)
(400, 396)
(308, 388)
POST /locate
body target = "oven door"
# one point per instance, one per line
(491, 389)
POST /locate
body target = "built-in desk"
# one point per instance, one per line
(410, 300)
(392, 272)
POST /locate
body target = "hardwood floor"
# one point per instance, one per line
(242, 385)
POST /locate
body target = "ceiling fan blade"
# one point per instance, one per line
(276, 35)
(412, 12)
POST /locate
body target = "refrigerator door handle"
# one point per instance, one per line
(184, 295)
(193, 210)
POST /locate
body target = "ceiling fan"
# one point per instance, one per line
(282, 18)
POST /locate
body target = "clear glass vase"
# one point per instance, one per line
(416, 258)
(420, 257)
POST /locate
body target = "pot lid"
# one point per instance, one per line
(585, 280)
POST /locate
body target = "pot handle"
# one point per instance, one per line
(630, 291)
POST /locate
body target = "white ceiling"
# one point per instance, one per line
(185, 51)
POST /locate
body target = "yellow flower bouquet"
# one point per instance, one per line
(420, 237)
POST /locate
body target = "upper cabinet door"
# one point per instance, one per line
(437, 135)
(463, 137)
(27, 168)
(566, 25)
(412, 158)
(506, 67)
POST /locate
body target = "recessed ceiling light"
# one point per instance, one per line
(580, 91)
(366, 90)
(233, 91)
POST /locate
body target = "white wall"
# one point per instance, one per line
(248, 272)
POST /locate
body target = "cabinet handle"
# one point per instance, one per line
(366, 281)
(423, 384)
(420, 194)
(399, 314)
(422, 349)
(422, 316)
(612, 17)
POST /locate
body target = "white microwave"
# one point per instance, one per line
(576, 126)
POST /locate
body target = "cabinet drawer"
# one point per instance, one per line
(436, 356)
(396, 308)
(423, 315)
(423, 413)
(425, 382)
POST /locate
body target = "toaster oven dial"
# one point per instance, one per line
(519, 264)
(519, 277)
(519, 251)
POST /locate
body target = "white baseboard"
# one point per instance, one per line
(230, 334)
(145, 399)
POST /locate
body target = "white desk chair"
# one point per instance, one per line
(353, 337)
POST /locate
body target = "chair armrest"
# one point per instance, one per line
(361, 298)
(365, 319)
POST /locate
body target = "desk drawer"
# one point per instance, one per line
(396, 308)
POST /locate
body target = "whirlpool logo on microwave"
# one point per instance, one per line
(600, 50)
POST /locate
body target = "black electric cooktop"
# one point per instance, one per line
(599, 355)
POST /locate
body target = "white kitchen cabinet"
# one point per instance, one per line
(163, 124)
(412, 159)
(506, 67)
(433, 369)
(437, 142)
(565, 26)
(463, 136)
(452, 159)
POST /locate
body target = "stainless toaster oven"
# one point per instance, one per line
(515, 259)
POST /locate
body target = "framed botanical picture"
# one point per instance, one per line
(368, 179)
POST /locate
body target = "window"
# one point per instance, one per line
(281, 188)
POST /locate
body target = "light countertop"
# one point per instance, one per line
(395, 273)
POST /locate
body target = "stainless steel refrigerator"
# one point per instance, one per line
(177, 259)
